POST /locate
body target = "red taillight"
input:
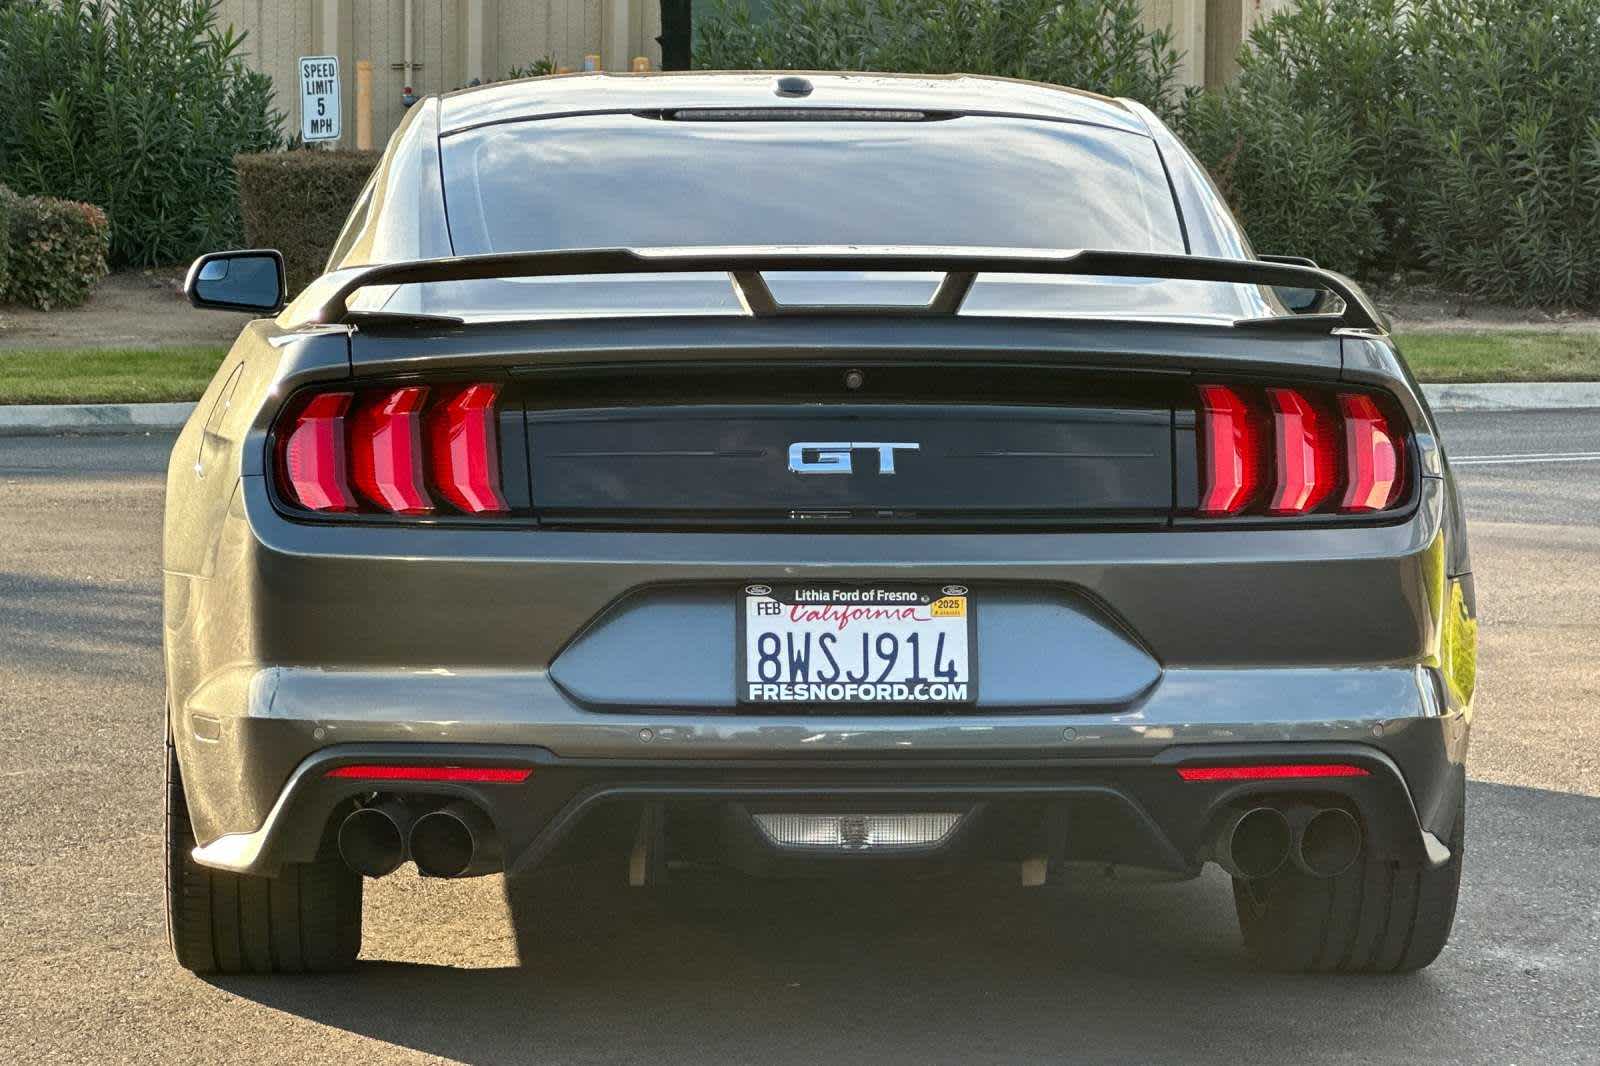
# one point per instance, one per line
(1269, 772)
(314, 454)
(1230, 451)
(386, 450)
(1303, 448)
(462, 439)
(1372, 456)
(488, 775)
(400, 452)
(1328, 451)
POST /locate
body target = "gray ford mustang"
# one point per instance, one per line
(810, 475)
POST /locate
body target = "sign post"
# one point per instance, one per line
(319, 98)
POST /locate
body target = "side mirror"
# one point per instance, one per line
(250, 280)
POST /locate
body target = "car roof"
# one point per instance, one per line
(568, 94)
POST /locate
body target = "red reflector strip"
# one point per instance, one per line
(1304, 450)
(1269, 772)
(464, 441)
(1229, 451)
(1370, 455)
(314, 454)
(487, 775)
(386, 441)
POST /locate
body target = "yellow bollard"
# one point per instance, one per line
(364, 104)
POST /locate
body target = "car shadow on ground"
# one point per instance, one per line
(727, 969)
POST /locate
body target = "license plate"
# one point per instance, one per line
(895, 644)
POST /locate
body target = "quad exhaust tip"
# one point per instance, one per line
(1252, 842)
(457, 840)
(1327, 842)
(1255, 842)
(372, 840)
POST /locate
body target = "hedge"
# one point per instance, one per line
(1099, 45)
(7, 200)
(296, 202)
(138, 106)
(58, 251)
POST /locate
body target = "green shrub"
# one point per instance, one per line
(1340, 65)
(58, 252)
(539, 68)
(1292, 172)
(296, 202)
(1099, 45)
(1469, 127)
(1503, 105)
(138, 106)
(7, 206)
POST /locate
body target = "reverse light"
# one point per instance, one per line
(1373, 457)
(462, 439)
(313, 456)
(386, 450)
(1229, 449)
(483, 775)
(1269, 771)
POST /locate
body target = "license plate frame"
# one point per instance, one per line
(921, 598)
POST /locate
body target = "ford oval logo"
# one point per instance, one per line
(758, 590)
(955, 590)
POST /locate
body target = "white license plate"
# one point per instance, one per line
(888, 644)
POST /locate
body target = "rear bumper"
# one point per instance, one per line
(294, 644)
(1130, 812)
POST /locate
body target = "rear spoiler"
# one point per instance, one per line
(327, 300)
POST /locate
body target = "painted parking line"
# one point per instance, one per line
(1530, 457)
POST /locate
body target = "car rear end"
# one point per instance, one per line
(812, 587)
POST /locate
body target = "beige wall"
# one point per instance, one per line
(1208, 33)
(455, 41)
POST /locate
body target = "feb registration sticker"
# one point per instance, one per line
(853, 644)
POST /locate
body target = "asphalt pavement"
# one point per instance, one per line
(732, 971)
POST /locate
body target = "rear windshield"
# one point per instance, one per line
(631, 181)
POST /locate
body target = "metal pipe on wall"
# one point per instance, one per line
(409, 55)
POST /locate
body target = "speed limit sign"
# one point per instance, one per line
(319, 98)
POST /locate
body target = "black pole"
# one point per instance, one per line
(677, 33)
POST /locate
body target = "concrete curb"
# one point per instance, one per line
(40, 419)
(23, 420)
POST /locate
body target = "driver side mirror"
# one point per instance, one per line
(251, 280)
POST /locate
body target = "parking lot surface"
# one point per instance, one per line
(722, 970)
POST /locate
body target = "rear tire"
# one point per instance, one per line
(306, 920)
(1376, 917)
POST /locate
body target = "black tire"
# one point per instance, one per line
(1377, 917)
(306, 920)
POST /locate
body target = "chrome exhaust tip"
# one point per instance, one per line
(457, 840)
(1252, 842)
(372, 840)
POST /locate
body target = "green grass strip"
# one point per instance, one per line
(106, 375)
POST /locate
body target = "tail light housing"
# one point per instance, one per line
(409, 450)
(1290, 452)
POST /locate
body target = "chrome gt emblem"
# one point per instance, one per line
(833, 457)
